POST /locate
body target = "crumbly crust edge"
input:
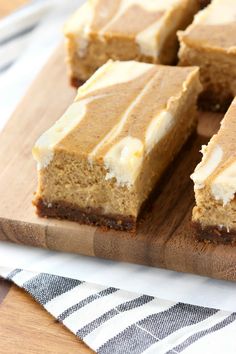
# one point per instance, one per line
(89, 216)
(214, 234)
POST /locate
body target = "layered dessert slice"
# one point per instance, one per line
(214, 179)
(101, 160)
(142, 30)
(210, 43)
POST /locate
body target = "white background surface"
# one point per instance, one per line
(161, 283)
(31, 55)
(31, 51)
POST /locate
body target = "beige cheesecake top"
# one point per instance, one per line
(146, 21)
(214, 27)
(118, 116)
(217, 169)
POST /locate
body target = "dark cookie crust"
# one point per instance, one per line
(75, 82)
(214, 234)
(88, 216)
(209, 102)
(204, 3)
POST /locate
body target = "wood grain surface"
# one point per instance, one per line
(164, 238)
(26, 328)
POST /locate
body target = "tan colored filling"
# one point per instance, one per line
(225, 139)
(103, 114)
(98, 52)
(71, 178)
(214, 37)
(217, 72)
(135, 20)
(119, 43)
(210, 212)
(108, 9)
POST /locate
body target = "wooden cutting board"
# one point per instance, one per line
(32, 331)
(164, 238)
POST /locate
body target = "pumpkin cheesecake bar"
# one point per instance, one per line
(142, 30)
(210, 43)
(100, 161)
(215, 184)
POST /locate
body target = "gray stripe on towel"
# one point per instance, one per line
(45, 287)
(178, 316)
(13, 274)
(139, 336)
(85, 302)
(126, 306)
(19, 34)
(195, 337)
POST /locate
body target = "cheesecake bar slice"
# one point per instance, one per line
(214, 179)
(101, 160)
(142, 30)
(210, 43)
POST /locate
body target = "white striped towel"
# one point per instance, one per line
(112, 321)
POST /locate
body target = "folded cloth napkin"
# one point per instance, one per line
(28, 37)
(16, 30)
(112, 321)
(109, 320)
